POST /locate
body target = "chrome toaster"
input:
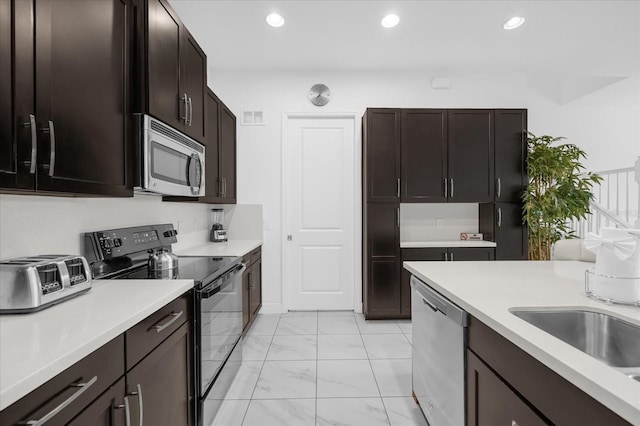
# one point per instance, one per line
(32, 283)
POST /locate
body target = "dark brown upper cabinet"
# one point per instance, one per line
(381, 165)
(227, 153)
(470, 155)
(220, 154)
(510, 154)
(172, 69)
(65, 122)
(424, 155)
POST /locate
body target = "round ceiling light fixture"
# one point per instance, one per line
(390, 21)
(275, 20)
(513, 23)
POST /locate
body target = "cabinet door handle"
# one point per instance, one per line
(224, 179)
(451, 257)
(34, 144)
(190, 111)
(52, 138)
(445, 188)
(446, 256)
(499, 217)
(184, 99)
(398, 217)
(250, 280)
(499, 182)
(220, 187)
(83, 387)
(173, 317)
(451, 181)
(127, 410)
(138, 392)
(514, 423)
(398, 188)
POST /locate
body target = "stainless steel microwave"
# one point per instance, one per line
(167, 161)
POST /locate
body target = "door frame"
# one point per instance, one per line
(357, 204)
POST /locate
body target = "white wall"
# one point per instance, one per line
(604, 123)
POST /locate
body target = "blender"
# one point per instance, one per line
(218, 233)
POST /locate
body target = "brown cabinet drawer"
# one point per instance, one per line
(256, 254)
(150, 332)
(97, 371)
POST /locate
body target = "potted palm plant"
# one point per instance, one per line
(558, 192)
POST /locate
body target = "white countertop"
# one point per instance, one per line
(36, 347)
(446, 243)
(487, 290)
(229, 248)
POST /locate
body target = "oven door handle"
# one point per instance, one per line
(221, 283)
(209, 291)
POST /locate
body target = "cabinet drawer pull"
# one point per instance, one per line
(83, 387)
(451, 193)
(499, 182)
(499, 217)
(173, 317)
(34, 144)
(445, 188)
(398, 189)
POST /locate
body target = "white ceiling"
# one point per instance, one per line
(568, 38)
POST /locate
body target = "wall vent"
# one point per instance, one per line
(252, 118)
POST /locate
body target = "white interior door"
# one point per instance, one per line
(319, 213)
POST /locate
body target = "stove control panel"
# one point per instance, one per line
(103, 245)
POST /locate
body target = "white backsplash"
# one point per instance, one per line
(419, 222)
(31, 225)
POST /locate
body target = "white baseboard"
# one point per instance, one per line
(271, 308)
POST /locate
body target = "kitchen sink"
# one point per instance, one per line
(609, 339)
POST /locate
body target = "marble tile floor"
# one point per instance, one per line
(322, 369)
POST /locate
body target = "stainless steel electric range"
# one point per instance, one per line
(124, 254)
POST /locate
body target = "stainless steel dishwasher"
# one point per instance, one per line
(439, 340)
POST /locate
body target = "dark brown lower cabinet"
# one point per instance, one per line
(502, 223)
(492, 402)
(107, 410)
(251, 287)
(382, 262)
(507, 386)
(159, 387)
(96, 372)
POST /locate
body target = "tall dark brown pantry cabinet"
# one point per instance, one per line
(65, 122)
(423, 155)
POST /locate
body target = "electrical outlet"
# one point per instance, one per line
(180, 227)
(266, 225)
(439, 223)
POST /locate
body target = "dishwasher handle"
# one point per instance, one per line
(435, 300)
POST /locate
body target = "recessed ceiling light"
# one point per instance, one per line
(275, 20)
(513, 23)
(390, 21)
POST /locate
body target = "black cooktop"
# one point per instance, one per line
(202, 270)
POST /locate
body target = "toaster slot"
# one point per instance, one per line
(77, 272)
(50, 279)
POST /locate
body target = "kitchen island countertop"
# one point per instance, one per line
(36, 347)
(488, 290)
